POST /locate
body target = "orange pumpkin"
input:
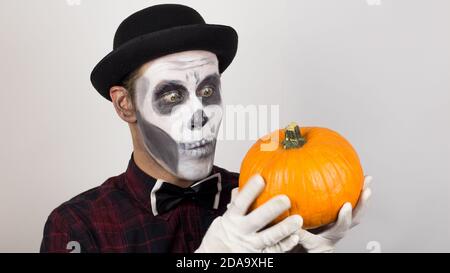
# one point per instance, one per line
(315, 167)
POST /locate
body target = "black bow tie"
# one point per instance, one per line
(165, 196)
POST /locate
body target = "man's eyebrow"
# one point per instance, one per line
(213, 79)
(168, 85)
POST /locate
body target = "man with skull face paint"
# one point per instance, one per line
(179, 110)
(163, 78)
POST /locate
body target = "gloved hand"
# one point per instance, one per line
(237, 231)
(326, 240)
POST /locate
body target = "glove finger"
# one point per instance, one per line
(266, 213)
(367, 180)
(308, 240)
(284, 245)
(274, 234)
(234, 193)
(359, 210)
(343, 223)
(247, 195)
(313, 243)
(361, 207)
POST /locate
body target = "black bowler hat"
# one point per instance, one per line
(157, 31)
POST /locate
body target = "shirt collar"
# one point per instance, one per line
(139, 184)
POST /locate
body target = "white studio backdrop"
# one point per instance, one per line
(377, 71)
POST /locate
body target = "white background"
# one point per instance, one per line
(375, 71)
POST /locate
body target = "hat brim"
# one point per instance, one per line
(114, 67)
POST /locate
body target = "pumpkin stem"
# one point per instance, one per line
(292, 137)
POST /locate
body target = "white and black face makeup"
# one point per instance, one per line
(179, 111)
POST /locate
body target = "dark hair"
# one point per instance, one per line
(130, 82)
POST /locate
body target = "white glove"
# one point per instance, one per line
(326, 240)
(237, 231)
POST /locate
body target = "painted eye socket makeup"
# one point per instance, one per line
(168, 95)
(206, 91)
(172, 97)
(209, 90)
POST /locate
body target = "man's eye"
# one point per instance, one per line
(172, 97)
(206, 92)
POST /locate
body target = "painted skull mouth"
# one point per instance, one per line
(201, 148)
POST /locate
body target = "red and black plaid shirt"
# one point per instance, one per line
(117, 217)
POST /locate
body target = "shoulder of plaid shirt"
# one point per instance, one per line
(117, 217)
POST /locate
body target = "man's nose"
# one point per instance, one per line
(198, 120)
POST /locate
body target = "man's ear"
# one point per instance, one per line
(123, 103)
